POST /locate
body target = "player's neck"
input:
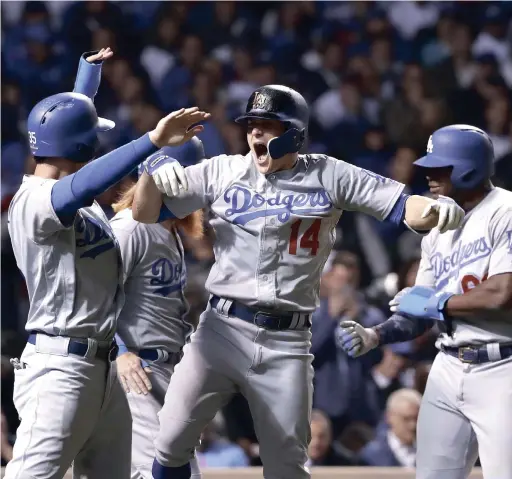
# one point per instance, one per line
(56, 168)
(473, 198)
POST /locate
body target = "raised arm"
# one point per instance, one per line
(88, 77)
(79, 189)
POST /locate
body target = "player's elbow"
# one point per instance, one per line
(499, 288)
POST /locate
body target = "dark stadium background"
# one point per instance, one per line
(380, 78)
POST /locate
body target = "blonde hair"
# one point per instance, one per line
(191, 225)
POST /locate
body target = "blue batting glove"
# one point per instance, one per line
(424, 303)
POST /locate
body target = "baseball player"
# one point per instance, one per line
(72, 407)
(274, 214)
(151, 330)
(464, 283)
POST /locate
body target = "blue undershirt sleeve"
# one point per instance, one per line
(79, 189)
(399, 328)
(397, 214)
(88, 77)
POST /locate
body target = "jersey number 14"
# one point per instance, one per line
(309, 240)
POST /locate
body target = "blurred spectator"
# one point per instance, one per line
(379, 78)
(397, 447)
(321, 451)
(214, 451)
(342, 384)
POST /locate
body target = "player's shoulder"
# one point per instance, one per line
(31, 185)
(319, 160)
(498, 207)
(228, 162)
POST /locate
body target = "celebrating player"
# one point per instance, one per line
(274, 213)
(66, 392)
(151, 327)
(464, 283)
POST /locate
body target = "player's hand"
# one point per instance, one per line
(450, 213)
(177, 127)
(393, 304)
(356, 340)
(102, 55)
(422, 302)
(167, 173)
(132, 375)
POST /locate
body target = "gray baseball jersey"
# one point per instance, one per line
(458, 260)
(467, 408)
(73, 275)
(274, 233)
(154, 272)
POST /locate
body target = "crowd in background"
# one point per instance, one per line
(380, 77)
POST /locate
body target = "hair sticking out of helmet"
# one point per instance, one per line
(278, 102)
(468, 150)
(65, 125)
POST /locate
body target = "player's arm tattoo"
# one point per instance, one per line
(490, 298)
(398, 329)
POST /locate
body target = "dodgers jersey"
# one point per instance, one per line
(274, 233)
(458, 260)
(154, 274)
(73, 274)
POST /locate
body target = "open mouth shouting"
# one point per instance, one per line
(261, 152)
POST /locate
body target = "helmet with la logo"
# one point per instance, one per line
(468, 150)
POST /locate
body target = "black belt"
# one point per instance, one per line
(152, 355)
(79, 348)
(475, 354)
(277, 321)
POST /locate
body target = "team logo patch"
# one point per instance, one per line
(260, 102)
(430, 145)
(245, 205)
(169, 277)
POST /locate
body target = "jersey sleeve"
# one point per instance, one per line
(425, 275)
(357, 189)
(206, 181)
(32, 212)
(131, 244)
(501, 239)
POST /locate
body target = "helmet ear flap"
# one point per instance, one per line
(290, 141)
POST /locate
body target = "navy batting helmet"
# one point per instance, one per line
(465, 148)
(190, 153)
(66, 125)
(278, 102)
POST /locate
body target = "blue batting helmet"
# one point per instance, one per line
(278, 102)
(465, 148)
(190, 153)
(66, 125)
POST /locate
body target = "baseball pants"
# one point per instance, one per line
(272, 369)
(466, 412)
(145, 421)
(72, 410)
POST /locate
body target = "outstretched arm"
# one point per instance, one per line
(88, 77)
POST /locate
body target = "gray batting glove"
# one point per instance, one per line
(393, 304)
(450, 213)
(356, 340)
(167, 173)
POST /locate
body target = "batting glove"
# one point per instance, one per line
(167, 173)
(450, 213)
(423, 303)
(393, 304)
(356, 340)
